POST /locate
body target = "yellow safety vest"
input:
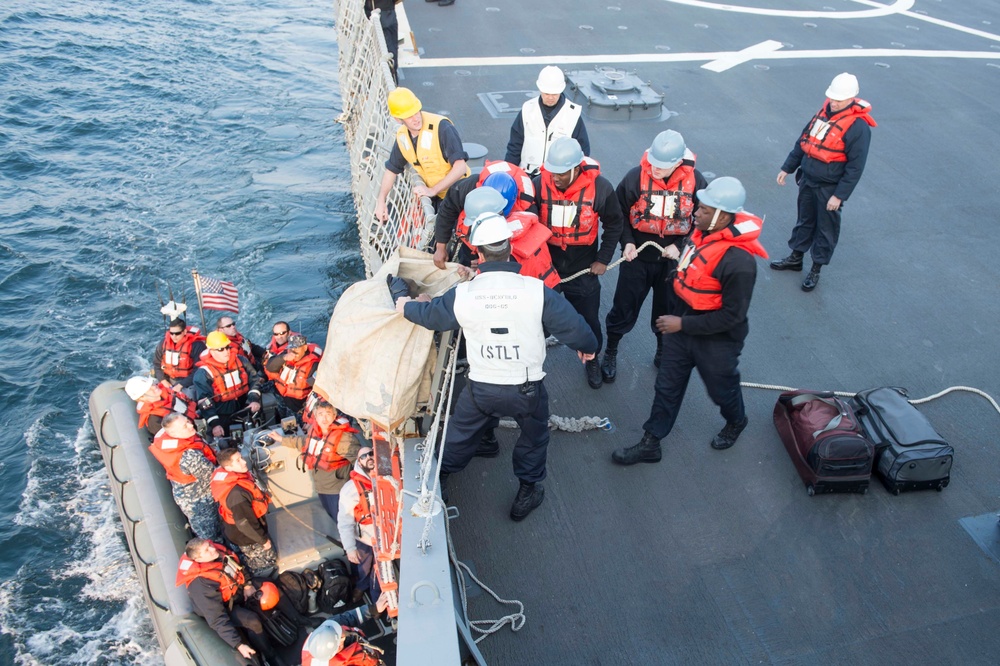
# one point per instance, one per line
(428, 160)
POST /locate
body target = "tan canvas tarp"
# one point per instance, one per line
(376, 365)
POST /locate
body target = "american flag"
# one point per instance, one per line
(218, 295)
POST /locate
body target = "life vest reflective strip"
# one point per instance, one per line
(665, 208)
(240, 345)
(177, 362)
(571, 214)
(427, 159)
(529, 247)
(230, 380)
(274, 349)
(538, 137)
(358, 653)
(702, 254)
(224, 481)
(525, 188)
(226, 571)
(293, 379)
(170, 400)
(312, 400)
(321, 449)
(823, 139)
(168, 451)
(363, 509)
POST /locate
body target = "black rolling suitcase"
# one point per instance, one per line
(911, 455)
(824, 441)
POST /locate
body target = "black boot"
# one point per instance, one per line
(729, 434)
(593, 369)
(812, 279)
(792, 262)
(647, 450)
(489, 447)
(529, 497)
(609, 365)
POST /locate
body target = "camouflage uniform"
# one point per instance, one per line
(195, 499)
(261, 563)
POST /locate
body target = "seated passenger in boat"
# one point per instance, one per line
(243, 509)
(240, 344)
(329, 448)
(356, 523)
(178, 352)
(224, 384)
(280, 334)
(190, 464)
(223, 592)
(337, 641)
(294, 372)
(155, 400)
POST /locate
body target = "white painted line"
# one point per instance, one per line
(740, 57)
(880, 10)
(709, 56)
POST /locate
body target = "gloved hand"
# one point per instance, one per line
(397, 287)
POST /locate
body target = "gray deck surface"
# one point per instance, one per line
(721, 557)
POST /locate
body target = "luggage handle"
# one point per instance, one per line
(827, 398)
(860, 465)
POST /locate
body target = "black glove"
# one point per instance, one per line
(397, 287)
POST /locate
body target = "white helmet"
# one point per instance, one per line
(843, 87)
(324, 642)
(551, 80)
(136, 387)
(487, 229)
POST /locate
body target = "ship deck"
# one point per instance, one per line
(721, 557)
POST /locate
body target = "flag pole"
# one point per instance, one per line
(197, 291)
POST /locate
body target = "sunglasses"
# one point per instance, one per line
(281, 333)
(176, 332)
(233, 325)
(364, 455)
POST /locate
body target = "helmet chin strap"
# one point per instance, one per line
(715, 220)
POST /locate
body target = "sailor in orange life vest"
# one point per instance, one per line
(828, 161)
(220, 589)
(329, 449)
(280, 334)
(658, 201)
(176, 355)
(154, 400)
(572, 196)
(240, 344)
(714, 283)
(294, 372)
(243, 509)
(504, 316)
(427, 142)
(356, 524)
(340, 643)
(224, 383)
(189, 463)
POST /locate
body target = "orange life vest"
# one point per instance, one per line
(293, 379)
(823, 139)
(321, 448)
(529, 247)
(358, 653)
(581, 229)
(240, 345)
(363, 510)
(169, 451)
(177, 362)
(226, 571)
(230, 380)
(525, 188)
(224, 481)
(651, 213)
(171, 400)
(307, 409)
(694, 282)
(274, 349)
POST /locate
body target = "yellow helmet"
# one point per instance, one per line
(403, 103)
(217, 340)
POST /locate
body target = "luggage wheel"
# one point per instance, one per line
(895, 491)
(810, 490)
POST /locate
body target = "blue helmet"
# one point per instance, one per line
(504, 184)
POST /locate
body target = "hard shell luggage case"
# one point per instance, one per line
(913, 456)
(824, 442)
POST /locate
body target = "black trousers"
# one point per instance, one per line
(390, 30)
(635, 279)
(817, 229)
(480, 406)
(584, 294)
(717, 362)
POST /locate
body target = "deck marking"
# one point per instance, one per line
(896, 7)
(739, 57)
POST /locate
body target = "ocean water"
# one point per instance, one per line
(141, 139)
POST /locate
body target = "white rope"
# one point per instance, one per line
(919, 401)
(569, 423)
(516, 619)
(614, 264)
